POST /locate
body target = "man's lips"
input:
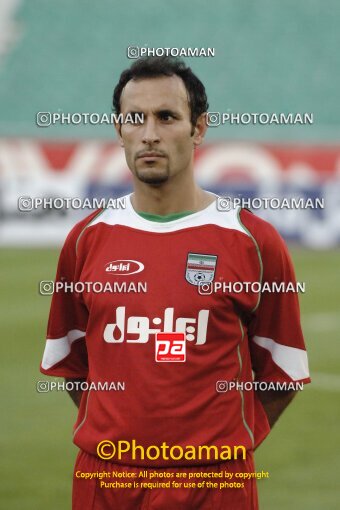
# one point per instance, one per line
(150, 155)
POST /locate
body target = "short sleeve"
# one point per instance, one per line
(65, 352)
(276, 341)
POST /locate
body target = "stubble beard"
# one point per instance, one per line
(153, 180)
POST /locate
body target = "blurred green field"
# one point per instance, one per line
(37, 454)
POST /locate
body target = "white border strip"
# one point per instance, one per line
(57, 349)
(292, 361)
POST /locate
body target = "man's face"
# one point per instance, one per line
(162, 146)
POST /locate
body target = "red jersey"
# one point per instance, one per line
(228, 336)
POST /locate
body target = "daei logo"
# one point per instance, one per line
(138, 329)
(125, 267)
(170, 347)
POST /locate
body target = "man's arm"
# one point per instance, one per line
(275, 402)
(74, 393)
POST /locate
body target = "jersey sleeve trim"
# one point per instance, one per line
(85, 415)
(258, 254)
(86, 226)
(246, 426)
(57, 349)
(291, 360)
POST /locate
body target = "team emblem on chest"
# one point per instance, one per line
(200, 268)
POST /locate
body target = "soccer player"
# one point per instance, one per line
(172, 237)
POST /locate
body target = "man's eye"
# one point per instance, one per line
(137, 117)
(166, 116)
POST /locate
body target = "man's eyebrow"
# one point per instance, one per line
(135, 110)
(175, 113)
(162, 109)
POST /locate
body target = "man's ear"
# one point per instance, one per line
(118, 128)
(200, 129)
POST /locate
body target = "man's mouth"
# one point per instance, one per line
(150, 155)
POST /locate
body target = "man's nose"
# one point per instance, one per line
(150, 134)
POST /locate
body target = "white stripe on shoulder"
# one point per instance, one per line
(291, 360)
(211, 215)
(57, 349)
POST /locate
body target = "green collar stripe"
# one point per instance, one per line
(164, 218)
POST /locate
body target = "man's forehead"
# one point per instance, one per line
(157, 93)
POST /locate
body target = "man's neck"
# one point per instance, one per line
(163, 200)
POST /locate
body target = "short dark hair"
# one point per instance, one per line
(152, 67)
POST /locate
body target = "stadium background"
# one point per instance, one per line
(65, 57)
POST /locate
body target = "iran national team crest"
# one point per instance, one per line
(200, 268)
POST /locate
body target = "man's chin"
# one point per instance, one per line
(154, 179)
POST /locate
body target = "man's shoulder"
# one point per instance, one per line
(78, 229)
(93, 219)
(264, 233)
